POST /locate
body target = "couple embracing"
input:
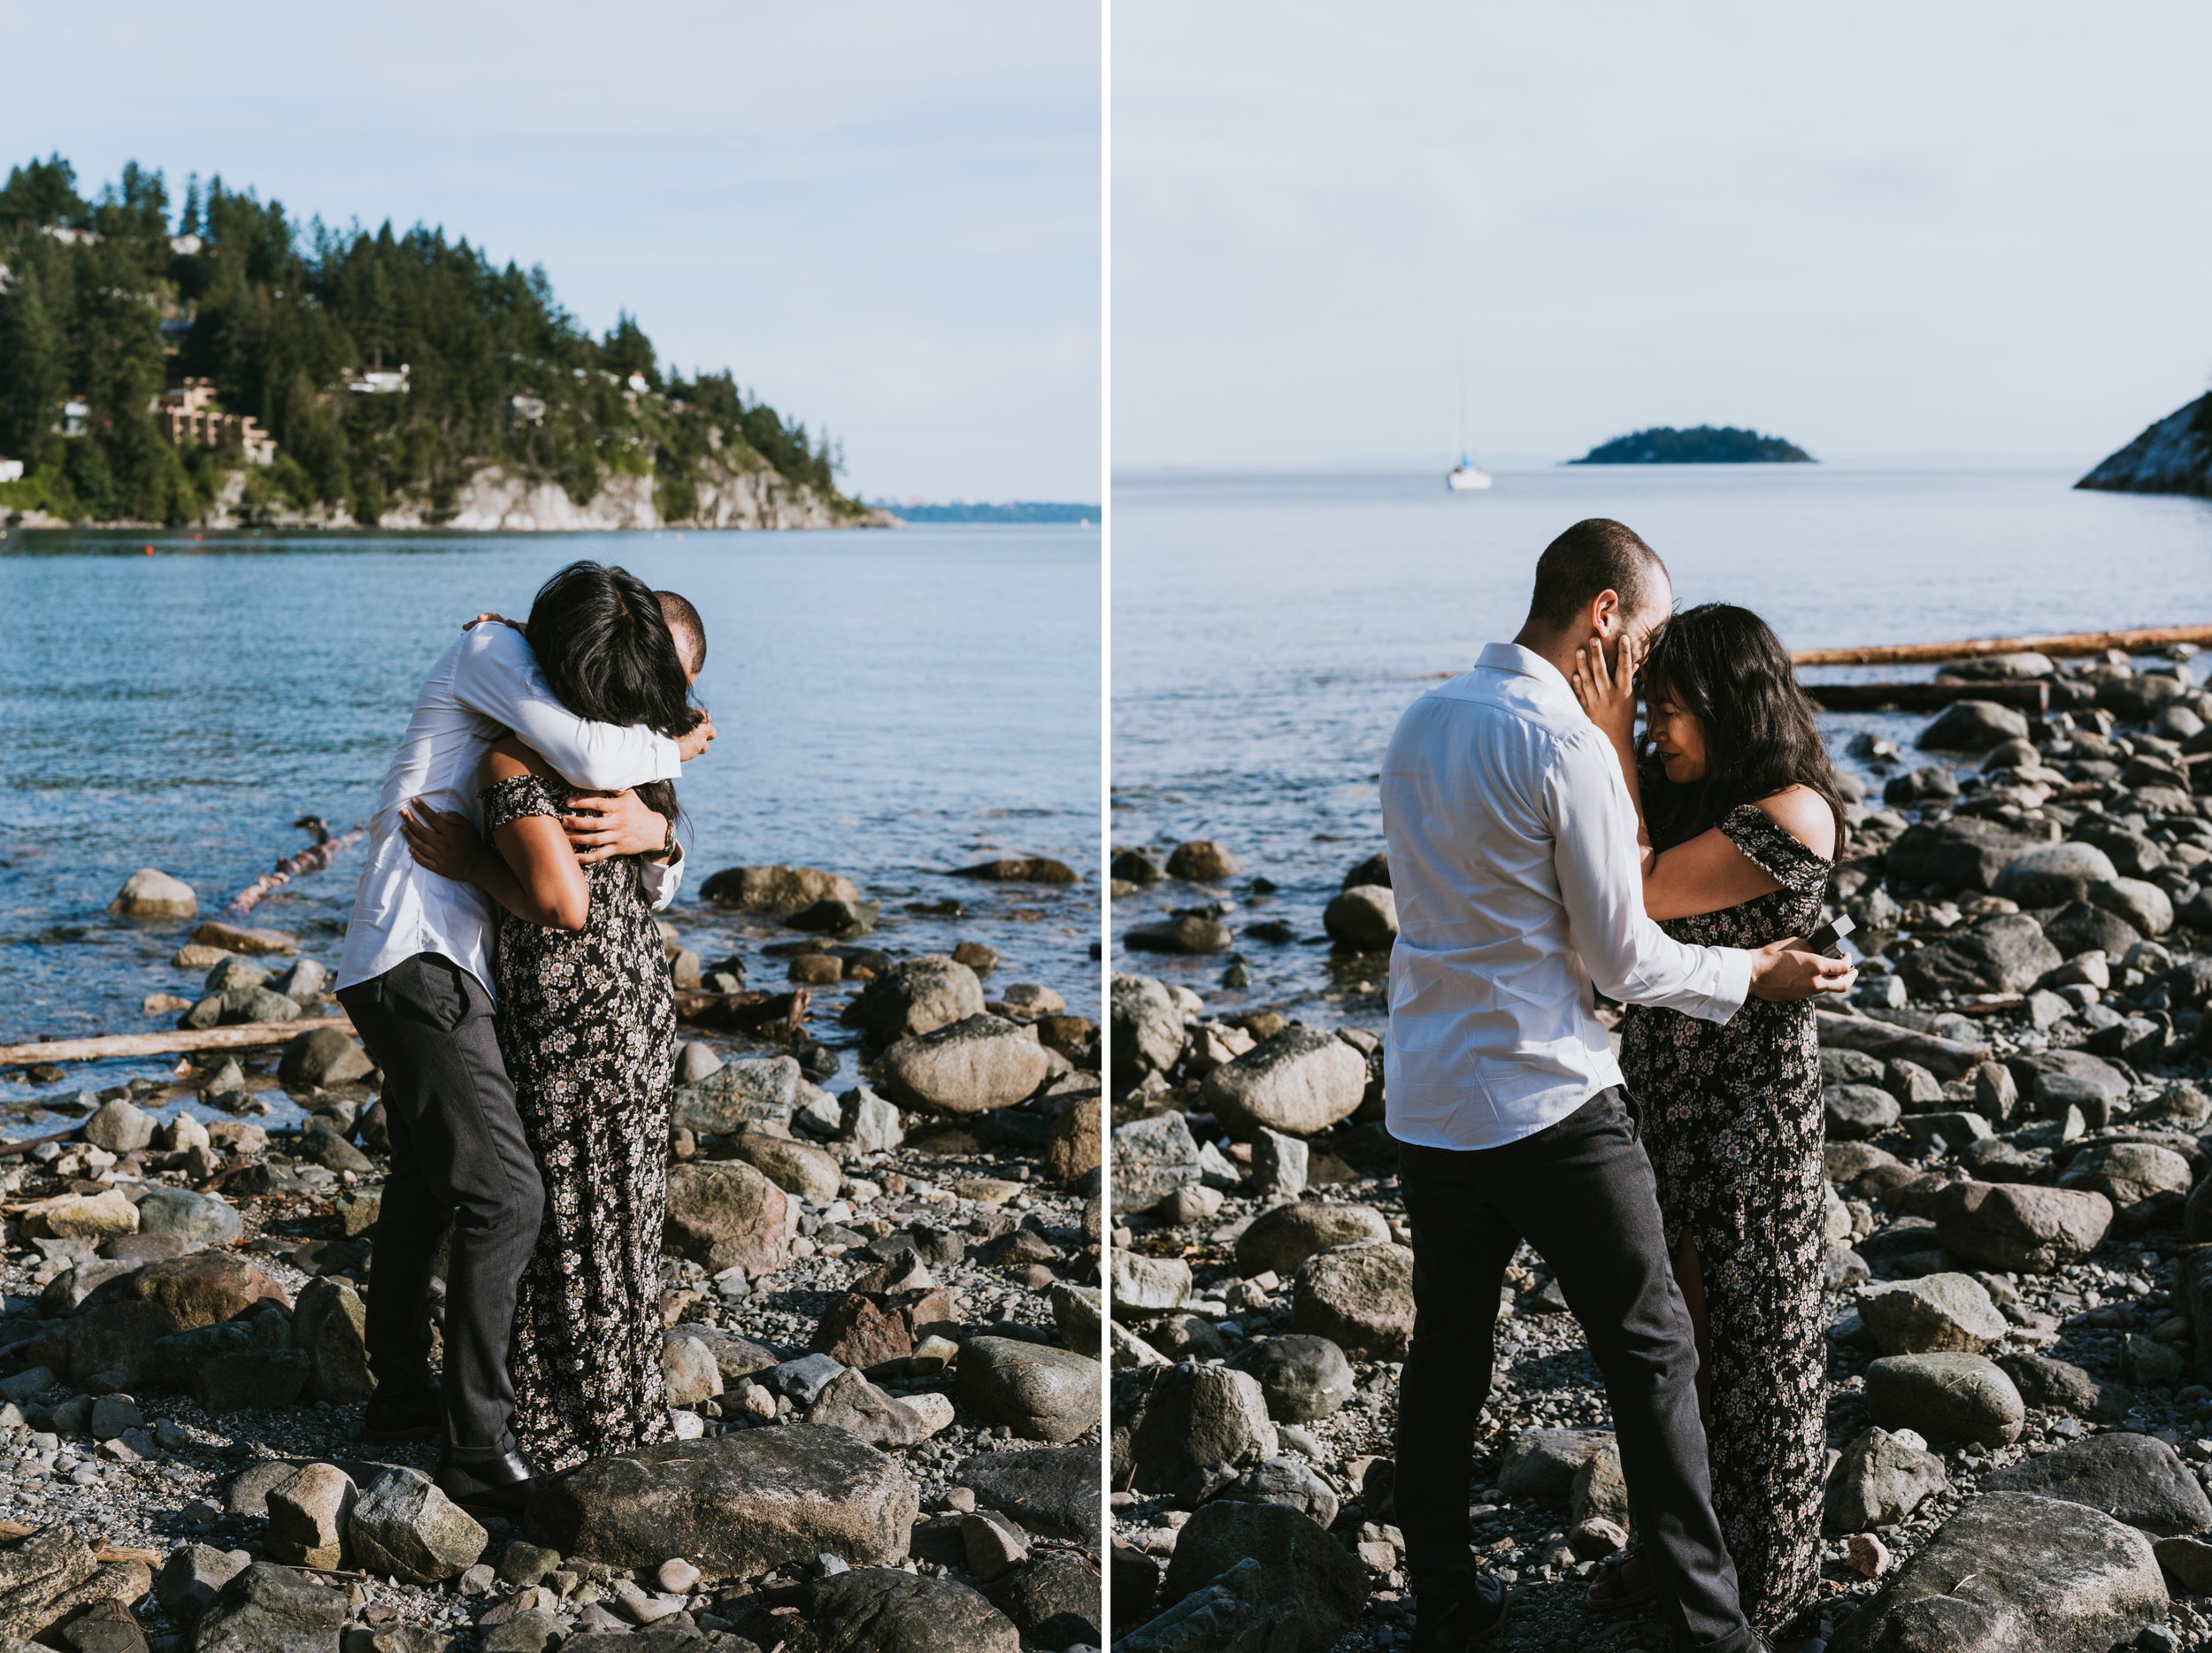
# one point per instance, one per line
(504, 968)
(1675, 1190)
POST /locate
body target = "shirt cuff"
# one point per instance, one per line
(1734, 986)
(661, 879)
(671, 766)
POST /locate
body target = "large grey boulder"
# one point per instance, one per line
(1359, 1297)
(1961, 852)
(1945, 1398)
(886, 1610)
(150, 893)
(1299, 1082)
(405, 1526)
(2133, 1478)
(763, 1090)
(1878, 1481)
(2014, 1573)
(2053, 874)
(1364, 918)
(2005, 953)
(1197, 1414)
(735, 1505)
(1935, 1312)
(1145, 1028)
(1044, 1392)
(1282, 1238)
(978, 1064)
(322, 1056)
(918, 996)
(198, 1219)
(1973, 725)
(1305, 1567)
(724, 1214)
(776, 890)
(268, 1608)
(2016, 1226)
(1154, 1157)
(1303, 1378)
(2144, 1181)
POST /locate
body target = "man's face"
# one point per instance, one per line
(1658, 603)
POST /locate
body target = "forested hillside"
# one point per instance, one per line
(403, 377)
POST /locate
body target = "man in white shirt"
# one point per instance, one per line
(415, 976)
(1519, 887)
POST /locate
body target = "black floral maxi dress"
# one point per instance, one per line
(588, 1022)
(1732, 1120)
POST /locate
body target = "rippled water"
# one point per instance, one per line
(890, 705)
(1268, 630)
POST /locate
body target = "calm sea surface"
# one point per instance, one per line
(890, 704)
(1268, 630)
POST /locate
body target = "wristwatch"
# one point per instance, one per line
(668, 846)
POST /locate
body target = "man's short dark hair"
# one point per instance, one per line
(686, 627)
(1597, 554)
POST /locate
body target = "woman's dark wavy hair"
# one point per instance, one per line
(608, 656)
(1724, 666)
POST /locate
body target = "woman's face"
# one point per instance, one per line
(1679, 738)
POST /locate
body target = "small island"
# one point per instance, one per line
(1702, 445)
(2172, 456)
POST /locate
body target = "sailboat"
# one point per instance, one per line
(1466, 477)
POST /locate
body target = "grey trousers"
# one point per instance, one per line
(1580, 1192)
(458, 1153)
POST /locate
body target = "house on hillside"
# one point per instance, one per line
(190, 418)
(11, 470)
(379, 381)
(174, 329)
(526, 409)
(185, 245)
(76, 417)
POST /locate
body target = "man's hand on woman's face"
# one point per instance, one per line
(603, 825)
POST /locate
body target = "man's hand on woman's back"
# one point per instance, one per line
(1784, 971)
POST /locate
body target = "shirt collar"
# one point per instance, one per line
(1510, 657)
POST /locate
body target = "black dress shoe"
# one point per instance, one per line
(1471, 1617)
(393, 1416)
(499, 1487)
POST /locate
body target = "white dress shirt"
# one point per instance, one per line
(1514, 859)
(484, 687)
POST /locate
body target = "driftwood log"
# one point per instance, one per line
(2033, 698)
(315, 857)
(101, 1552)
(2139, 641)
(175, 1041)
(1946, 1059)
(743, 1013)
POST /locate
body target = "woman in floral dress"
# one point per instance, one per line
(1741, 823)
(587, 1026)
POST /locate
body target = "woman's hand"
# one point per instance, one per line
(1607, 695)
(442, 841)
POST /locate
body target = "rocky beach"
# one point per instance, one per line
(881, 1294)
(2019, 1130)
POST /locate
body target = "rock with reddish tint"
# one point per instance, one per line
(856, 1332)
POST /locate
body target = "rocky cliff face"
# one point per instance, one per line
(2172, 456)
(498, 500)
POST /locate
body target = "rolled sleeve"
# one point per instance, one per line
(498, 679)
(661, 879)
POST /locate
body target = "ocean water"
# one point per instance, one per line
(890, 705)
(1268, 630)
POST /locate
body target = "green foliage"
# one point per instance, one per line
(282, 316)
(1701, 445)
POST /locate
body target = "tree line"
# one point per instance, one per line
(107, 301)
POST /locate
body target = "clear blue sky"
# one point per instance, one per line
(883, 217)
(1881, 230)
